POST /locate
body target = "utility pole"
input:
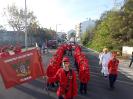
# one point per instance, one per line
(56, 30)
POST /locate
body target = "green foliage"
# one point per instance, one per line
(114, 29)
(2, 29)
(85, 38)
(43, 34)
(73, 34)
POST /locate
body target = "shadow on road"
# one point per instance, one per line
(37, 92)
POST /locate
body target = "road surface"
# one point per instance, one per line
(98, 87)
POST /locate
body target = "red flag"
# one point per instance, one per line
(20, 68)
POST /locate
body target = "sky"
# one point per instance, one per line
(64, 14)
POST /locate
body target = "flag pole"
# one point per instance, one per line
(45, 86)
(26, 44)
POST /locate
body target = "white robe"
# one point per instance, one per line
(104, 59)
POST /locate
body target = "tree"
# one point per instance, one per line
(88, 35)
(103, 32)
(85, 38)
(2, 29)
(43, 34)
(73, 36)
(64, 37)
(16, 18)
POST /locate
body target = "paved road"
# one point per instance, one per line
(97, 87)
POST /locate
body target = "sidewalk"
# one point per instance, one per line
(124, 69)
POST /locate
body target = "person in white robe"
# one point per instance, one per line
(104, 58)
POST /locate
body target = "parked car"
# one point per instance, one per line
(52, 43)
(73, 45)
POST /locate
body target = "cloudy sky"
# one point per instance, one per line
(67, 13)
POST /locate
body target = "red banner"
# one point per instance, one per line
(20, 68)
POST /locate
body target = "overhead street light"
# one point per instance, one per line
(57, 27)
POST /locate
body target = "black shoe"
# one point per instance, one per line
(81, 92)
(85, 92)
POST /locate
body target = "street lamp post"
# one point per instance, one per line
(26, 26)
(56, 30)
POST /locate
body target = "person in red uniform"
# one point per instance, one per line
(113, 70)
(80, 58)
(67, 81)
(78, 47)
(4, 52)
(76, 55)
(57, 59)
(65, 47)
(69, 48)
(17, 49)
(51, 70)
(84, 76)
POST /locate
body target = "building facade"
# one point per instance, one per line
(83, 27)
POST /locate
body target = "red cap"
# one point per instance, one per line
(66, 59)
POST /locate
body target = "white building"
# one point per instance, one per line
(83, 27)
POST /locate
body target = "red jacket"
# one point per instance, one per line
(76, 55)
(51, 71)
(84, 73)
(113, 66)
(4, 54)
(63, 80)
(57, 61)
(69, 47)
(80, 59)
(78, 48)
(17, 50)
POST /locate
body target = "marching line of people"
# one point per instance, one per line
(60, 70)
(83, 69)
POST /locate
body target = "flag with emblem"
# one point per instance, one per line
(20, 68)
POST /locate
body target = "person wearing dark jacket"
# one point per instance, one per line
(131, 60)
